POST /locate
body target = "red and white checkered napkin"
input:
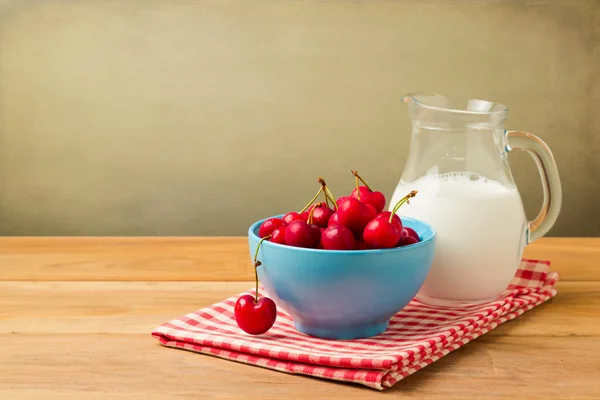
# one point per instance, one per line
(417, 336)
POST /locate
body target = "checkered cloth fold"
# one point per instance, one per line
(417, 336)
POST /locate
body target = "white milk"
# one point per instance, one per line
(481, 234)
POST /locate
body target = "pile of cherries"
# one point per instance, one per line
(355, 222)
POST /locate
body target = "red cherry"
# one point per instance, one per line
(369, 213)
(367, 195)
(376, 199)
(304, 216)
(321, 215)
(355, 215)
(407, 241)
(278, 235)
(338, 237)
(340, 199)
(255, 317)
(381, 234)
(268, 226)
(410, 232)
(349, 212)
(361, 189)
(387, 214)
(333, 220)
(301, 234)
(291, 217)
(395, 219)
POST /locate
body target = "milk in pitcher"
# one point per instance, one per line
(473, 216)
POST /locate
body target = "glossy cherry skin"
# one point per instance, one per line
(340, 199)
(268, 226)
(376, 199)
(278, 235)
(304, 215)
(291, 217)
(368, 214)
(333, 220)
(410, 232)
(321, 215)
(386, 214)
(255, 317)
(338, 237)
(355, 215)
(407, 240)
(396, 221)
(381, 234)
(301, 234)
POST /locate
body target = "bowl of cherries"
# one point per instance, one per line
(340, 267)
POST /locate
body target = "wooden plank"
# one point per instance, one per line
(206, 258)
(50, 394)
(138, 307)
(125, 259)
(575, 259)
(131, 366)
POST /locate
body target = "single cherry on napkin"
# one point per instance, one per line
(255, 315)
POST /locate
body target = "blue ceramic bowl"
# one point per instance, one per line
(343, 294)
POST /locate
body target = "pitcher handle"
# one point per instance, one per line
(550, 181)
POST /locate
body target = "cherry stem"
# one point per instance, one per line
(400, 202)
(258, 264)
(310, 214)
(358, 177)
(311, 201)
(327, 192)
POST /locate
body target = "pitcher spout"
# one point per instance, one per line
(456, 105)
(408, 97)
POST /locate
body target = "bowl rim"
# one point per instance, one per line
(425, 242)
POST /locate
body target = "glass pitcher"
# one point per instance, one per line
(458, 163)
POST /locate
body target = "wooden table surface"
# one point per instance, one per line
(76, 316)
